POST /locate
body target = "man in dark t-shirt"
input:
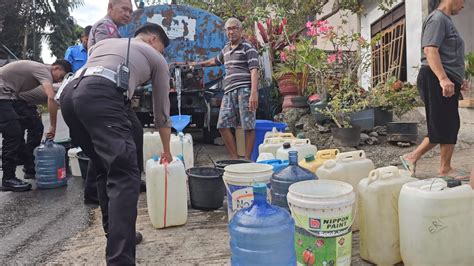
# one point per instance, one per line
(440, 82)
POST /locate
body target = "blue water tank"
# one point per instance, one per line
(50, 165)
(283, 179)
(262, 234)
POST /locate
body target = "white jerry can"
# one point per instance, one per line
(302, 146)
(350, 167)
(378, 214)
(152, 146)
(166, 193)
(182, 144)
(271, 145)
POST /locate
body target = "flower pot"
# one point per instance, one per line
(346, 137)
(288, 85)
(294, 101)
(368, 118)
(402, 131)
(315, 110)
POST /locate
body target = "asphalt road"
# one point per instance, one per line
(35, 224)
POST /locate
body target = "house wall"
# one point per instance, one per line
(416, 11)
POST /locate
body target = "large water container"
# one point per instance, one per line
(378, 215)
(152, 146)
(262, 234)
(274, 134)
(302, 146)
(261, 127)
(182, 144)
(324, 155)
(271, 145)
(166, 193)
(283, 179)
(436, 223)
(50, 165)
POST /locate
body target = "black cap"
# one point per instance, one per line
(286, 145)
(454, 183)
(153, 28)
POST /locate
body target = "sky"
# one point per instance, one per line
(88, 14)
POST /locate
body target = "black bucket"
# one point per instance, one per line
(346, 137)
(223, 163)
(83, 163)
(206, 188)
(402, 131)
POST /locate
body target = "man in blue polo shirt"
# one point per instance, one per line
(77, 54)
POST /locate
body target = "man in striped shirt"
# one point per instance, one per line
(240, 101)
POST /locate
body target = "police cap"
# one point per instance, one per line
(153, 28)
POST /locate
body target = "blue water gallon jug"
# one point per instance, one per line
(50, 165)
(262, 234)
(289, 175)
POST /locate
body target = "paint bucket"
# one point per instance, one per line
(323, 211)
(239, 180)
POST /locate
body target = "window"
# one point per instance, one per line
(389, 52)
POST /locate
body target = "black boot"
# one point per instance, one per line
(16, 185)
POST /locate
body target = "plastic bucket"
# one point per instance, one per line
(83, 163)
(206, 188)
(261, 127)
(74, 161)
(239, 179)
(224, 163)
(323, 211)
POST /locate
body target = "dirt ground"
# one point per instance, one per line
(204, 239)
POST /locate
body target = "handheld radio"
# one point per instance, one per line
(123, 72)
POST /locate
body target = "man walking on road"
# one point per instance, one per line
(95, 106)
(240, 100)
(17, 78)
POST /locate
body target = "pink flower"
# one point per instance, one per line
(312, 31)
(291, 47)
(332, 58)
(309, 24)
(283, 56)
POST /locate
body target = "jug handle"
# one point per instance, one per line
(383, 173)
(327, 154)
(351, 155)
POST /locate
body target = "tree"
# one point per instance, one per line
(23, 24)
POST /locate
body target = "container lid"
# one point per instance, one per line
(260, 188)
(309, 158)
(454, 183)
(286, 145)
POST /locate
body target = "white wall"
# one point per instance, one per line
(414, 24)
(465, 24)
(369, 15)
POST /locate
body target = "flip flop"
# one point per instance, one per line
(456, 175)
(408, 165)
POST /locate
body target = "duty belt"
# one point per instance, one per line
(98, 71)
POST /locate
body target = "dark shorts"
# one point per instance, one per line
(442, 114)
(235, 110)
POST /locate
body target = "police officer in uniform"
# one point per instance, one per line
(118, 14)
(95, 108)
(16, 78)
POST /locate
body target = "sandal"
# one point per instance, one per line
(409, 166)
(456, 175)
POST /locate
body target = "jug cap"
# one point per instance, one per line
(300, 135)
(155, 158)
(259, 188)
(329, 164)
(309, 158)
(454, 183)
(286, 145)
